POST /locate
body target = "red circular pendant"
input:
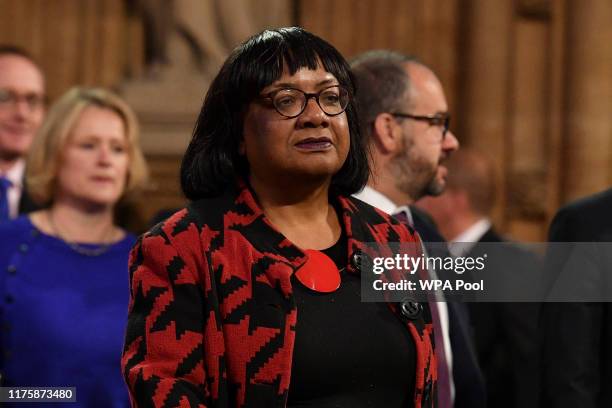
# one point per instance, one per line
(319, 273)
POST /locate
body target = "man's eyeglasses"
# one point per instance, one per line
(439, 119)
(291, 102)
(10, 98)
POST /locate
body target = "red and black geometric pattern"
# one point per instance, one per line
(212, 317)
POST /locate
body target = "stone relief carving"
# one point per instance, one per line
(186, 41)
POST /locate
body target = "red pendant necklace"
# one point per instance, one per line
(319, 273)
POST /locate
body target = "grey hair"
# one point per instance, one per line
(382, 84)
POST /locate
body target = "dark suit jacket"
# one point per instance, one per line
(467, 376)
(506, 334)
(577, 337)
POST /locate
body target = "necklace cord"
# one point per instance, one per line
(83, 250)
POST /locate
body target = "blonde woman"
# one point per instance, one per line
(63, 270)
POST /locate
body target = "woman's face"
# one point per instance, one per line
(312, 146)
(94, 165)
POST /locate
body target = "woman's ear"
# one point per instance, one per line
(387, 133)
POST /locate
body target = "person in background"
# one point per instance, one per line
(250, 297)
(462, 211)
(404, 118)
(22, 109)
(577, 362)
(506, 334)
(63, 269)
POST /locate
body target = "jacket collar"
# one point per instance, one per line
(267, 239)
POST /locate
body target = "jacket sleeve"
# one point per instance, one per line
(572, 332)
(163, 357)
(572, 363)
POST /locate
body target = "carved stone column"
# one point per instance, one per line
(527, 166)
(484, 85)
(555, 162)
(588, 117)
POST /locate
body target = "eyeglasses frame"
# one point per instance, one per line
(433, 120)
(307, 95)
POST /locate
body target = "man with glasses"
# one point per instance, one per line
(404, 117)
(22, 109)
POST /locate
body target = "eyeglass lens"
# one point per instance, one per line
(292, 102)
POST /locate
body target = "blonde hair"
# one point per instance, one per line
(44, 158)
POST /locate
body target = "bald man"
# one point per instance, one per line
(22, 109)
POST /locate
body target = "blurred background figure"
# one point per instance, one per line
(22, 108)
(505, 334)
(577, 336)
(462, 211)
(64, 268)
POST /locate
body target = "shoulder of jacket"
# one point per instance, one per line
(368, 213)
(601, 201)
(371, 216)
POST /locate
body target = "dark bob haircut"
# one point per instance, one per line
(211, 162)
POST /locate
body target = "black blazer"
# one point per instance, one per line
(506, 334)
(577, 337)
(467, 376)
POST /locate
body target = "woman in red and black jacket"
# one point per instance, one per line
(250, 296)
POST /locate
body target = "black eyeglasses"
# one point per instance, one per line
(439, 119)
(291, 102)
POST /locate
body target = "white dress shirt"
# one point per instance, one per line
(464, 242)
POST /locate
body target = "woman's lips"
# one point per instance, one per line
(311, 143)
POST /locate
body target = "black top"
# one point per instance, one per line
(348, 353)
